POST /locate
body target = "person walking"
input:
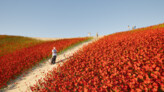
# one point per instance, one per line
(54, 55)
(128, 27)
(97, 35)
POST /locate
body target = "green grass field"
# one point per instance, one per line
(9, 44)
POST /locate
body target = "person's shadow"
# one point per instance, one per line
(64, 59)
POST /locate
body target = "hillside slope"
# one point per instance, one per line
(124, 61)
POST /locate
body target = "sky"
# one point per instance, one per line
(76, 18)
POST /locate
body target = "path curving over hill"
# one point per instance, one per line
(23, 83)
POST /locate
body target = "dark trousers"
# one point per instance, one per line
(53, 60)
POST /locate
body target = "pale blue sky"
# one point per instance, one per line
(75, 18)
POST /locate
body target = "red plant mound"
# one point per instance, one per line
(126, 61)
(17, 62)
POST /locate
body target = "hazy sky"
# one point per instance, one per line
(75, 18)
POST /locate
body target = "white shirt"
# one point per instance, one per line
(54, 52)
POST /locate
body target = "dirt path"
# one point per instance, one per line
(45, 39)
(22, 83)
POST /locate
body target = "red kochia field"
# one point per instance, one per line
(125, 61)
(17, 62)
